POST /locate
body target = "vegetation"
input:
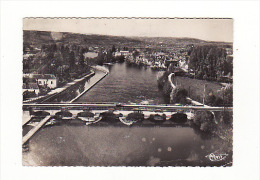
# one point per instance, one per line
(179, 95)
(28, 94)
(64, 61)
(223, 97)
(210, 62)
(205, 121)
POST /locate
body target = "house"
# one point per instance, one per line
(31, 87)
(117, 54)
(122, 53)
(49, 80)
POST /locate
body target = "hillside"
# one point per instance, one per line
(45, 37)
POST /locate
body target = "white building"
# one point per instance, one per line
(117, 54)
(49, 80)
(122, 53)
(46, 79)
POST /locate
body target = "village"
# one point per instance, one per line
(69, 62)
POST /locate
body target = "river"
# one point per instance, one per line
(126, 84)
(119, 145)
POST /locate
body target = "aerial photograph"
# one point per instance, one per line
(127, 92)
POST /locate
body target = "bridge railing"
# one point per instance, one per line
(165, 107)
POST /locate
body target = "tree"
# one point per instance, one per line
(81, 59)
(71, 60)
(135, 54)
(113, 49)
(179, 95)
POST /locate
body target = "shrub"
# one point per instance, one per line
(227, 117)
(204, 120)
(226, 94)
(210, 100)
(28, 94)
(179, 95)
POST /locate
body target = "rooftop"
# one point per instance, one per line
(44, 76)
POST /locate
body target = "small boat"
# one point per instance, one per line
(51, 122)
(33, 123)
(25, 148)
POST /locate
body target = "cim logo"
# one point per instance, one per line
(218, 157)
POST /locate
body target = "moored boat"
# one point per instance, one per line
(51, 122)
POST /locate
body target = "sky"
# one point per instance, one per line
(205, 29)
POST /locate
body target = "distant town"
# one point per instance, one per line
(50, 63)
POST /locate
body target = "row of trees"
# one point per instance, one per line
(210, 62)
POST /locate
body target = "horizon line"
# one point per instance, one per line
(183, 37)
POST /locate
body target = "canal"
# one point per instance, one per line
(106, 144)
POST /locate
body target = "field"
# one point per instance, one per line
(195, 87)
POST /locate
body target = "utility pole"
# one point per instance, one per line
(204, 94)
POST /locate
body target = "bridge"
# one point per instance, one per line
(98, 106)
(117, 108)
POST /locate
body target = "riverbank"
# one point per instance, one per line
(223, 121)
(56, 91)
(88, 88)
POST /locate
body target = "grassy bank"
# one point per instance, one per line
(195, 87)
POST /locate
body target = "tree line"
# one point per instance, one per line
(66, 61)
(210, 62)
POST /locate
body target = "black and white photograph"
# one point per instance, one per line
(127, 92)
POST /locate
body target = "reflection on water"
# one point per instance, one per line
(126, 84)
(113, 145)
(76, 89)
(119, 146)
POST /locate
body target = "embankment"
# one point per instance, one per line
(87, 89)
(99, 68)
(177, 91)
(57, 91)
